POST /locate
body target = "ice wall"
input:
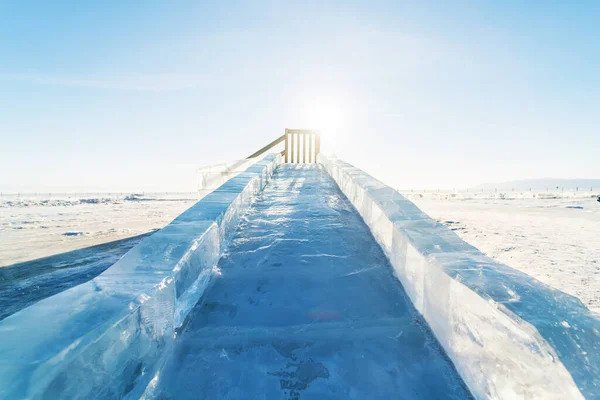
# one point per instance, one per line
(509, 335)
(104, 338)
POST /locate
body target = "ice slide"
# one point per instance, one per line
(303, 281)
(305, 304)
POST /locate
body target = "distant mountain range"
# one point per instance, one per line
(542, 184)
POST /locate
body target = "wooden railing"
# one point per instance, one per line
(301, 146)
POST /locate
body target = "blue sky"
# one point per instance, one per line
(131, 96)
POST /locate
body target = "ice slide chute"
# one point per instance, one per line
(303, 280)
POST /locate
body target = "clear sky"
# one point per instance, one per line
(131, 96)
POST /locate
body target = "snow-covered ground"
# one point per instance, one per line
(554, 237)
(34, 226)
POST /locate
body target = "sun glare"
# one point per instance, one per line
(326, 115)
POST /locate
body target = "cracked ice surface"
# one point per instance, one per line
(306, 305)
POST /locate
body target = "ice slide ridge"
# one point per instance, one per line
(104, 338)
(509, 335)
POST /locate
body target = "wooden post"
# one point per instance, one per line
(299, 146)
(310, 140)
(317, 144)
(293, 154)
(305, 146)
(286, 146)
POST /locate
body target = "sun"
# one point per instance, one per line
(326, 114)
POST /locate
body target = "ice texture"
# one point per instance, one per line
(509, 335)
(305, 306)
(105, 338)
